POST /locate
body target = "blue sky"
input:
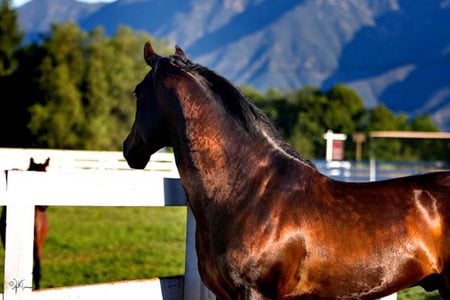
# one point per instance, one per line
(17, 3)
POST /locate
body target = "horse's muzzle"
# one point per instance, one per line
(136, 153)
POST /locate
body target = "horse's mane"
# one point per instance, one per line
(250, 117)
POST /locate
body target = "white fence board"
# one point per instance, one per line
(19, 158)
(135, 290)
(86, 188)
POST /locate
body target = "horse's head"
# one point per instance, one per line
(149, 132)
(37, 166)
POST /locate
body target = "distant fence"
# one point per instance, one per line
(376, 170)
(82, 178)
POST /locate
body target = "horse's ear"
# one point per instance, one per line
(47, 162)
(150, 55)
(179, 52)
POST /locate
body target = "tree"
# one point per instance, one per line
(405, 149)
(58, 119)
(421, 148)
(308, 130)
(96, 93)
(382, 119)
(344, 110)
(19, 92)
(344, 114)
(12, 105)
(86, 82)
(115, 66)
(10, 38)
(340, 109)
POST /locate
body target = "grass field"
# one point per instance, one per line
(103, 244)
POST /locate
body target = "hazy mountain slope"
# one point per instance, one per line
(141, 15)
(391, 51)
(38, 15)
(302, 46)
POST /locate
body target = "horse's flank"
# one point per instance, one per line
(269, 225)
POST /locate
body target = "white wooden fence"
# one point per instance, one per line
(82, 178)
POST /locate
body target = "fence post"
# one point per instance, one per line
(19, 248)
(193, 285)
(372, 169)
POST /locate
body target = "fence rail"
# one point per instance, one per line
(18, 158)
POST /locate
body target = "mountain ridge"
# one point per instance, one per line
(38, 15)
(395, 52)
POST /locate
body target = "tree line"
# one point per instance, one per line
(73, 90)
(303, 116)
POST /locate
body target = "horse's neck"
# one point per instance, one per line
(218, 159)
(211, 152)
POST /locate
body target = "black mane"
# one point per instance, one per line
(239, 106)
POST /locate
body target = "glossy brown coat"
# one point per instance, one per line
(269, 224)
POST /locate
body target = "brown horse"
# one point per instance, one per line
(40, 226)
(269, 224)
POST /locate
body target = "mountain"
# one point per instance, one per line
(395, 52)
(36, 17)
(403, 61)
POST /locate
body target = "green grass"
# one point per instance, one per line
(103, 244)
(417, 293)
